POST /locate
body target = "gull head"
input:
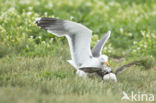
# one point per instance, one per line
(103, 59)
(108, 74)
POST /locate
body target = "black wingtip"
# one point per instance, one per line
(45, 22)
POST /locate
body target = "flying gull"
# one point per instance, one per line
(79, 38)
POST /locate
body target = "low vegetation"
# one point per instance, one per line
(33, 65)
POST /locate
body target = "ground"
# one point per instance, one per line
(33, 67)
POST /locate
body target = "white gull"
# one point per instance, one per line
(79, 39)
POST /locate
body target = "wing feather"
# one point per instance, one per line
(96, 52)
(78, 36)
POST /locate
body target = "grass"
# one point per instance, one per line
(51, 79)
(48, 79)
(33, 65)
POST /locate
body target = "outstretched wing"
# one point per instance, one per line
(78, 36)
(120, 69)
(96, 52)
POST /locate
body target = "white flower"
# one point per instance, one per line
(30, 8)
(53, 16)
(145, 46)
(136, 12)
(109, 51)
(43, 42)
(112, 3)
(39, 37)
(130, 34)
(112, 20)
(24, 2)
(121, 30)
(71, 17)
(138, 48)
(143, 33)
(134, 51)
(50, 5)
(31, 36)
(89, 4)
(51, 39)
(105, 48)
(107, 7)
(11, 9)
(147, 35)
(29, 13)
(134, 42)
(45, 13)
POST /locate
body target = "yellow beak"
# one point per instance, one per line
(107, 63)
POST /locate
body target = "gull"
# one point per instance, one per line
(79, 39)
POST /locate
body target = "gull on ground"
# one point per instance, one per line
(79, 39)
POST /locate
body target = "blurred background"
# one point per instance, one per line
(28, 53)
(132, 23)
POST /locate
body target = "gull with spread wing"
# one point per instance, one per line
(79, 39)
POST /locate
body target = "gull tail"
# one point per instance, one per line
(72, 63)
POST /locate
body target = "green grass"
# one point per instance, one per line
(33, 65)
(50, 78)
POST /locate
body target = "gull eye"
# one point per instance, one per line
(107, 63)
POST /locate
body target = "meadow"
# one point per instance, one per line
(33, 67)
